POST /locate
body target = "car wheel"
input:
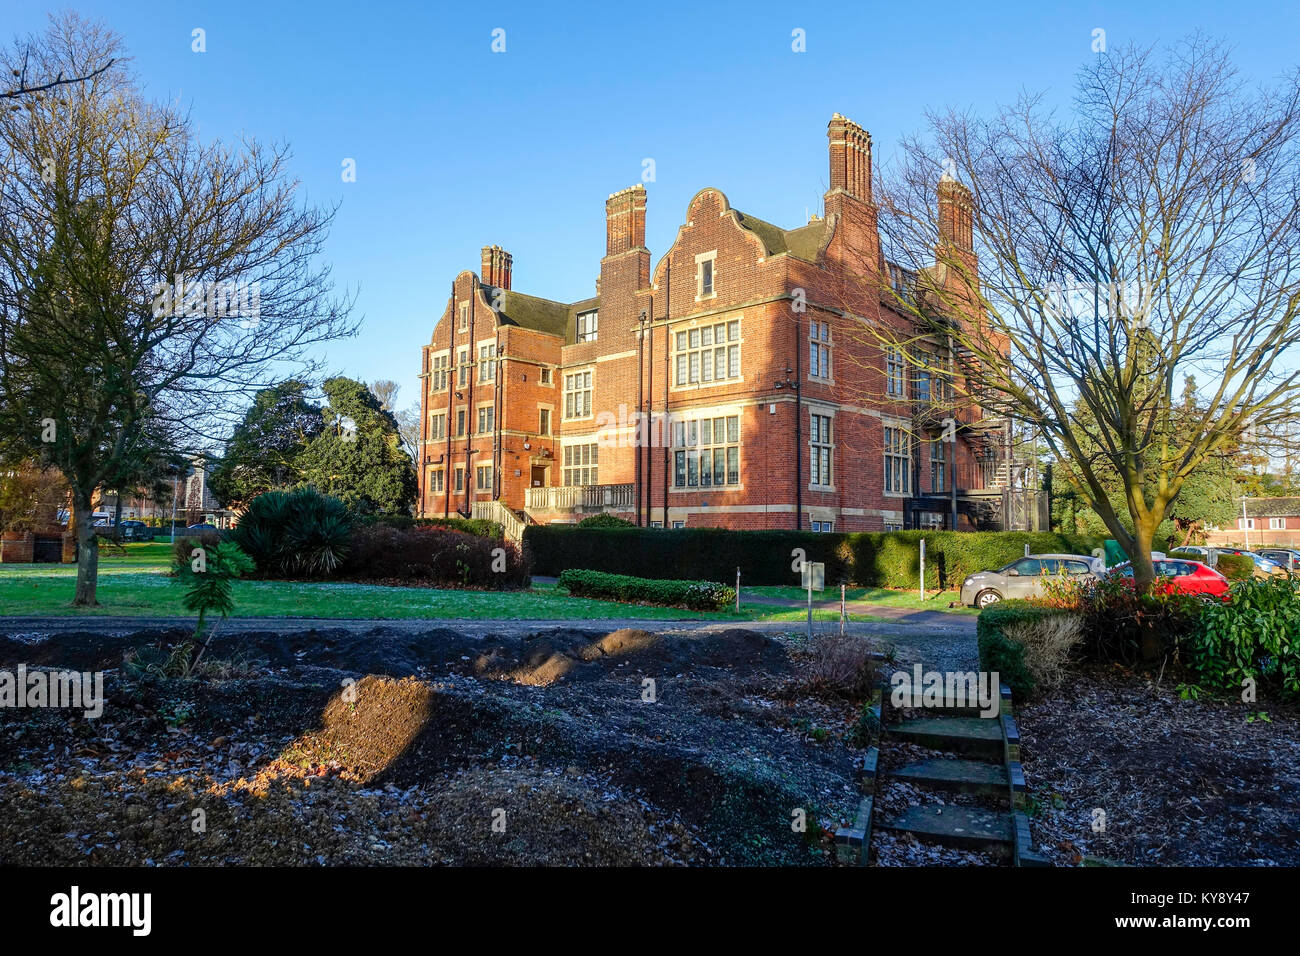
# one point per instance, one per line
(986, 598)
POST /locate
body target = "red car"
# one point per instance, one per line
(1175, 576)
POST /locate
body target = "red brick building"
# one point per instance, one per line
(731, 384)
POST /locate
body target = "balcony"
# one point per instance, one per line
(581, 499)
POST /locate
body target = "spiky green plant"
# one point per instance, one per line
(209, 585)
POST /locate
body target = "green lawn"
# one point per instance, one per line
(136, 583)
(881, 597)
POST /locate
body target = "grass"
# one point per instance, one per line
(135, 583)
(880, 597)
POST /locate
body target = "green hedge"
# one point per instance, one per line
(696, 595)
(479, 527)
(1235, 567)
(869, 559)
(1000, 654)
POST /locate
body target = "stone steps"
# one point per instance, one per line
(968, 736)
(960, 776)
(966, 828)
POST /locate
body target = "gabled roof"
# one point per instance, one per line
(531, 312)
(802, 243)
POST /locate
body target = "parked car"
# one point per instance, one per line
(1024, 577)
(134, 531)
(1177, 576)
(1263, 566)
(202, 527)
(1288, 559)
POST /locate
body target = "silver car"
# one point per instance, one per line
(1024, 578)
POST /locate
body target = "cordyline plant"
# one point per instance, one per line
(1086, 264)
(150, 282)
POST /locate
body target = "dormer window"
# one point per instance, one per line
(587, 325)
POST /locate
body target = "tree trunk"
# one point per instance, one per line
(87, 553)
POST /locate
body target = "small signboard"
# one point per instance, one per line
(814, 575)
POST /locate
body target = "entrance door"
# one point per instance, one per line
(538, 479)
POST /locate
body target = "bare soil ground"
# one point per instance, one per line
(537, 748)
(1180, 782)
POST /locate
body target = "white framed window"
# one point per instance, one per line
(436, 479)
(577, 394)
(706, 452)
(931, 521)
(823, 526)
(706, 275)
(437, 425)
(438, 374)
(898, 461)
(678, 524)
(820, 450)
(921, 380)
(543, 421)
(483, 478)
(1276, 524)
(710, 353)
(546, 376)
(581, 463)
(460, 477)
(819, 349)
(587, 325)
(487, 363)
(487, 418)
(1245, 524)
(895, 372)
(893, 525)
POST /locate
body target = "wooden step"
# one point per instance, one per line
(967, 828)
(960, 776)
(969, 736)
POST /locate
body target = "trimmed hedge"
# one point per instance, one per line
(480, 527)
(1001, 654)
(434, 556)
(1235, 567)
(887, 559)
(696, 595)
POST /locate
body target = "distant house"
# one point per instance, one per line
(1267, 521)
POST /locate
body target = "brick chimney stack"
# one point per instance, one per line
(956, 218)
(625, 220)
(850, 155)
(497, 264)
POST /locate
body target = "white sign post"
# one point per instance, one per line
(922, 570)
(814, 578)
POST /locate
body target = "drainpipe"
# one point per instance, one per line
(469, 403)
(650, 407)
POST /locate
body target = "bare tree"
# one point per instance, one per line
(150, 282)
(386, 391)
(1097, 259)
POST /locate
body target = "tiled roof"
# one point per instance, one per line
(1272, 507)
(802, 243)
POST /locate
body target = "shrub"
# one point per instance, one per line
(1123, 626)
(476, 526)
(435, 556)
(1235, 567)
(605, 520)
(183, 549)
(1256, 636)
(840, 666)
(1003, 654)
(209, 588)
(869, 559)
(299, 532)
(696, 595)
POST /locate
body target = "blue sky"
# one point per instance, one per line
(457, 147)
